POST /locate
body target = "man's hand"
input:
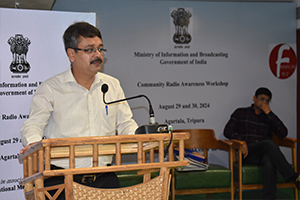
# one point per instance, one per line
(245, 150)
(26, 148)
(265, 107)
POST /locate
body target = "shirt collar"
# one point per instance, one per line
(97, 79)
(70, 78)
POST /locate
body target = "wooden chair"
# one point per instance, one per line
(36, 165)
(216, 179)
(249, 177)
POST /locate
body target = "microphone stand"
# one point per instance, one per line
(153, 127)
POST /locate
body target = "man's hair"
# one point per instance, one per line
(74, 31)
(263, 90)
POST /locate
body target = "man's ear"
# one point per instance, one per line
(71, 54)
(254, 98)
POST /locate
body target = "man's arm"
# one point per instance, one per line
(23, 150)
(125, 125)
(278, 128)
(41, 107)
(231, 128)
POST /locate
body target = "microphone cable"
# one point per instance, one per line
(170, 129)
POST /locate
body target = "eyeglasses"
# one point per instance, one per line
(92, 50)
(264, 99)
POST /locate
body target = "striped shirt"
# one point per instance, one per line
(246, 125)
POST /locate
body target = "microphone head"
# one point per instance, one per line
(104, 88)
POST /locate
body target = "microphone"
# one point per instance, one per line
(104, 89)
(153, 127)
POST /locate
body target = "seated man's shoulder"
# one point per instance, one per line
(241, 110)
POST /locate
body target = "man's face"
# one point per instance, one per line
(87, 62)
(260, 100)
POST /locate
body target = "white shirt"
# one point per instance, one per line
(62, 108)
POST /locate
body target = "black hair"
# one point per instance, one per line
(263, 90)
(74, 31)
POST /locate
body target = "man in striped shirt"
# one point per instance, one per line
(255, 125)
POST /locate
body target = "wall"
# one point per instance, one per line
(245, 31)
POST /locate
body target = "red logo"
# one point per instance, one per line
(282, 61)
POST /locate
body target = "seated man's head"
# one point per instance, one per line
(262, 96)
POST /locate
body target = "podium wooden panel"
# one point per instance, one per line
(36, 164)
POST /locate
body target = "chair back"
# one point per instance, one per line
(202, 139)
(198, 182)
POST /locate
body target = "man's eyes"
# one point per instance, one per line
(90, 50)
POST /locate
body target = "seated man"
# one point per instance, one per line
(70, 105)
(255, 125)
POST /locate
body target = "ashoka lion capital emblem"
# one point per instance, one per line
(181, 20)
(19, 48)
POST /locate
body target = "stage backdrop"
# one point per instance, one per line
(197, 60)
(31, 50)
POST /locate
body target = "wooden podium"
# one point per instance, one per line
(36, 165)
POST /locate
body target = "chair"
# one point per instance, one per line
(216, 179)
(249, 177)
(36, 166)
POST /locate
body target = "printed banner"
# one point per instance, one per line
(31, 50)
(198, 61)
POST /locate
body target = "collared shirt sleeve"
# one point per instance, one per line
(40, 110)
(278, 128)
(231, 128)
